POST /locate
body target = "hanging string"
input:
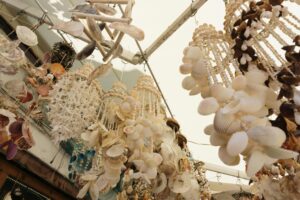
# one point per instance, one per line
(201, 144)
(122, 75)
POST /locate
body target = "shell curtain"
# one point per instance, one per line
(248, 78)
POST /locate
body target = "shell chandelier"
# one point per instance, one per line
(255, 105)
(137, 154)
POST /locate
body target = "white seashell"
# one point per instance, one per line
(231, 108)
(180, 183)
(192, 54)
(188, 83)
(185, 68)
(239, 82)
(133, 31)
(237, 143)
(267, 135)
(221, 93)
(279, 153)
(208, 106)
(195, 90)
(251, 104)
(256, 76)
(255, 163)
(296, 97)
(297, 117)
(105, 9)
(217, 140)
(72, 27)
(102, 183)
(199, 69)
(115, 150)
(26, 36)
(271, 100)
(228, 159)
(226, 123)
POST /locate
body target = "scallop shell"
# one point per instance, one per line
(26, 36)
(226, 123)
(279, 153)
(188, 83)
(208, 106)
(237, 143)
(221, 93)
(239, 82)
(228, 159)
(105, 9)
(129, 29)
(185, 68)
(255, 163)
(267, 135)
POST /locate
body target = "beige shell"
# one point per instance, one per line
(221, 93)
(217, 139)
(26, 36)
(228, 159)
(239, 82)
(115, 150)
(94, 29)
(192, 54)
(226, 123)
(185, 68)
(256, 76)
(279, 153)
(188, 83)
(105, 9)
(208, 106)
(199, 69)
(129, 29)
(267, 135)
(72, 27)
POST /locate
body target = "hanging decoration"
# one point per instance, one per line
(244, 98)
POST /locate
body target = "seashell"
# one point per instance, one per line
(88, 177)
(4, 121)
(16, 87)
(192, 54)
(188, 83)
(221, 93)
(7, 113)
(267, 135)
(209, 130)
(8, 69)
(208, 106)
(231, 108)
(92, 138)
(217, 140)
(296, 97)
(99, 71)
(160, 183)
(94, 191)
(43, 90)
(226, 123)
(14, 55)
(185, 68)
(129, 29)
(57, 70)
(239, 82)
(180, 183)
(251, 104)
(84, 8)
(15, 129)
(297, 117)
(237, 143)
(82, 192)
(279, 153)
(86, 51)
(205, 92)
(128, 9)
(26, 36)
(256, 76)
(255, 163)
(199, 69)
(11, 150)
(105, 9)
(228, 159)
(195, 90)
(72, 27)
(94, 29)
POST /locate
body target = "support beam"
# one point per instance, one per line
(226, 170)
(173, 27)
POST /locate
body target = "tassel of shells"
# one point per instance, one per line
(142, 158)
(242, 105)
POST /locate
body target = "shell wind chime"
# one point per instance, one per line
(243, 100)
(138, 154)
(104, 23)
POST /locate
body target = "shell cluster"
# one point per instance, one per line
(243, 101)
